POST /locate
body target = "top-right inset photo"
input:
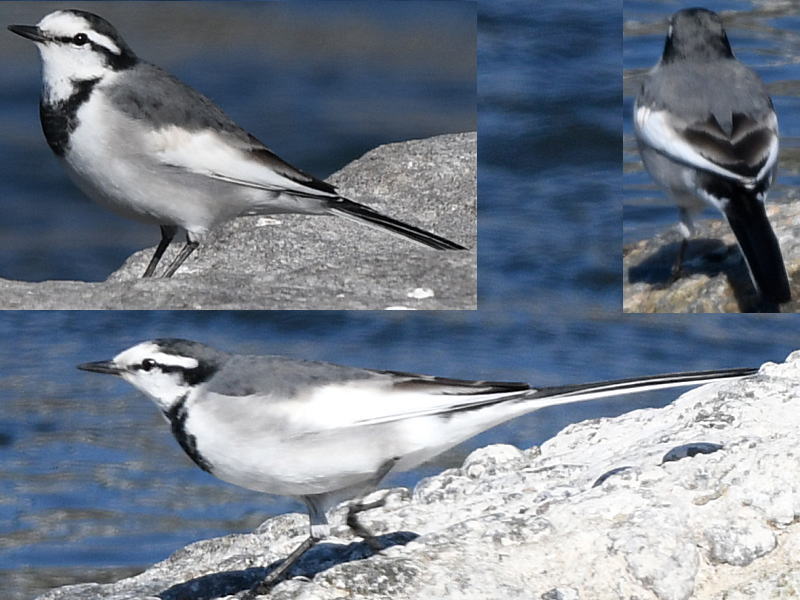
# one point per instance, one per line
(710, 157)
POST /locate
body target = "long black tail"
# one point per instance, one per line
(747, 217)
(538, 398)
(635, 385)
(364, 214)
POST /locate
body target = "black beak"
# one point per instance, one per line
(30, 32)
(103, 366)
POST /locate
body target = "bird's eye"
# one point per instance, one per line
(148, 364)
(80, 39)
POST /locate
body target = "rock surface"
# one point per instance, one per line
(302, 262)
(673, 524)
(715, 276)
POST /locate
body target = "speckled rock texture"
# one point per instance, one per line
(715, 277)
(698, 500)
(303, 262)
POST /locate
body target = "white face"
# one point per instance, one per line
(68, 55)
(155, 373)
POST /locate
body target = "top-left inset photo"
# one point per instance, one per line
(206, 155)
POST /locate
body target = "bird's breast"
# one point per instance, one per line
(248, 444)
(108, 158)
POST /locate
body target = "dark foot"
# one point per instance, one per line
(676, 272)
(187, 249)
(279, 573)
(677, 267)
(360, 530)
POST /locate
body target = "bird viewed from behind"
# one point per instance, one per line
(708, 134)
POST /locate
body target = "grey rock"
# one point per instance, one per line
(715, 276)
(301, 262)
(522, 525)
(739, 544)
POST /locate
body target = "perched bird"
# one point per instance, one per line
(142, 143)
(325, 433)
(708, 134)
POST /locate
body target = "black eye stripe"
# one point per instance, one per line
(148, 364)
(70, 40)
(192, 376)
(123, 58)
(88, 42)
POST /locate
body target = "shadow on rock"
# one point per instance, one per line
(320, 558)
(704, 256)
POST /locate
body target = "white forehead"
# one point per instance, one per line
(139, 352)
(66, 24)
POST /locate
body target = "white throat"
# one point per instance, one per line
(62, 71)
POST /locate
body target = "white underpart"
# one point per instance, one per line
(111, 160)
(655, 130)
(316, 444)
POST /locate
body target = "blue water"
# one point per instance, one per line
(89, 473)
(767, 40)
(320, 84)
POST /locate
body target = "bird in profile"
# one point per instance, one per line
(142, 143)
(708, 134)
(325, 433)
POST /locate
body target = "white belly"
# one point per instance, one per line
(262, 459)
(109, 161)
(297, 447)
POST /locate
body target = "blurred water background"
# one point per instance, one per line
(319, 83)
(92, 484)
(765, 35)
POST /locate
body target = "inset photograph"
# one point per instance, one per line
(238, 155)
(710, 159)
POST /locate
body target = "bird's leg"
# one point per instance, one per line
(188, 248)
(358, 528)
(685, 228)
(167, 233)
(677, 267)
(276, 575)
(358, 506)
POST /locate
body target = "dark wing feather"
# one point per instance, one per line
(447, 386)
(744, 150)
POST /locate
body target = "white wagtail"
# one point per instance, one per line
(148, 146)
(708, 134)
(325, 433)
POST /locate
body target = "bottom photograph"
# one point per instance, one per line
(452, 455)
